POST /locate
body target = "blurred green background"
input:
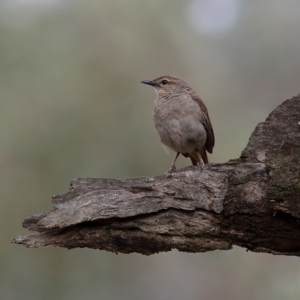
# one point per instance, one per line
(72, 106)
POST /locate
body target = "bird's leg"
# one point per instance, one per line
(172, 168)
(200, 163)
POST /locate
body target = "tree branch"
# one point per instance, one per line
(253, 202)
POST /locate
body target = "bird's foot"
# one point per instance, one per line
(171, 170)
(207, 166)
(200, 166)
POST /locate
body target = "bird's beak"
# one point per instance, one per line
(150, 83)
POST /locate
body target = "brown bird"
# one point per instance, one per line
(181, 120)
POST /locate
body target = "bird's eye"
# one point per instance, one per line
(164, 82)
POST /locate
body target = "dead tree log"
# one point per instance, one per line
(252, 202)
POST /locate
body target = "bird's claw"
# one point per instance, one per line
(200, 166)
(171, 170)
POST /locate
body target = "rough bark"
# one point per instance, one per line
(252, 201)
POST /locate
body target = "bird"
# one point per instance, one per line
(181, 120)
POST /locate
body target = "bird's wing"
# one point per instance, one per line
(210, 140)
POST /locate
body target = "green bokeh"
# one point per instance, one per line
(72, 106)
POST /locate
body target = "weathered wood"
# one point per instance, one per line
(253, 202)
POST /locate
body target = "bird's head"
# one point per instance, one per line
(167, 84)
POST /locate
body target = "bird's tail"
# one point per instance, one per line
(204, 157)
(194, 158)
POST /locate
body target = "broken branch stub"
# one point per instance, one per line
(252, 201)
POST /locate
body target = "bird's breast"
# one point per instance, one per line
(177, 121)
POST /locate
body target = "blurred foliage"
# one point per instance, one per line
(72, 106)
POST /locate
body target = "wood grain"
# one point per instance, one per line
(252, 201)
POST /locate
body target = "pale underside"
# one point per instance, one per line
(178, 122)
